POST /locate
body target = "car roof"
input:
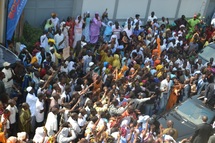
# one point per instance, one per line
(7, 56)
(185, 129)
(206, 53)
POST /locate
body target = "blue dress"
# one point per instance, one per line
(86, 31)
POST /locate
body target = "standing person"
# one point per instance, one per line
(86, 30)
(203, 132)
(3, 96)
(174, 95)
(8, 79)
(129, 30)
(164, 87)
(25, 118)
(71, 24)
(105, 21)
(78, 29)
(95, 29)
(152, 17)
(137, 19)
(108, 31)
(181, 21)
(117, 30)
(12, 118)
(55, 21)
(40, 110)
(49, 25)
(51, 122)
(31, 100)
(44, 40)
(209, 93)
(86, 60)
(65, 32)
(59, 41)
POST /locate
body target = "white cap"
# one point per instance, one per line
(91, 64)
(22, 46)
(6, 64)
(124, 58)
(174, 69)
(29, 89)
(182, 26)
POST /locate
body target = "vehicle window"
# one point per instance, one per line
(194, 112)
(207, 53)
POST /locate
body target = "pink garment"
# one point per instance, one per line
(95, 30)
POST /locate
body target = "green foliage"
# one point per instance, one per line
(30, 36)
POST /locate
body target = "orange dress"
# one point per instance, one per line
(173, 96)
(2, 135)
(97, 89)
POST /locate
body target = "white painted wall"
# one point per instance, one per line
(128, 8)
(99, 6)
(191, 7)
(166, 8)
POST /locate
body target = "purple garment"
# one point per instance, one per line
(95, 30)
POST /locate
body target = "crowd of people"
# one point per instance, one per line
(110, 89)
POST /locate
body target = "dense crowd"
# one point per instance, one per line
(112, 86)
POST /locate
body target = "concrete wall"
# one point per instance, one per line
(37, 11)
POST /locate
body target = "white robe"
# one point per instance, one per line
(51, 124)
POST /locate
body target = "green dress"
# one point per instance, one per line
(24, 118)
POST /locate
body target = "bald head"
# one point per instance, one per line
(204, 118)
(169, 123)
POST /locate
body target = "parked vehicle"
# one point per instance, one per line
(206, 53)
(187, 116)
(7, 56)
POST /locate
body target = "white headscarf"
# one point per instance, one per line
(39, 135)
(109, 22)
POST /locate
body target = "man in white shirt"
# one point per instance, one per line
(12, 118)
(73, 121)
(44, 41)
(8, 79)
(152, 17)
(55, 20)
(40, 110)
(129, 31)
(137, 19)
(59, 41)
(64, 135)
(51, 122)
(86, 60)
(31, 100)
(164, 88)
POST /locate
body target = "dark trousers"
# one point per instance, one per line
(13, 129)
(39, 124)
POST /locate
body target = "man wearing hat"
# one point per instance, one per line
(8, 79)
(55, 21)
(55, 57)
